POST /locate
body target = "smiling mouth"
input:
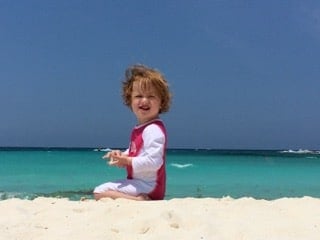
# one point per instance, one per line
(144, 108)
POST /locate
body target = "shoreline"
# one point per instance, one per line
(178, 218)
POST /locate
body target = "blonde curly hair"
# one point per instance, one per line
(146, 77)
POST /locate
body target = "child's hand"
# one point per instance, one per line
(117, 158)
(112, 154)
(121, 160)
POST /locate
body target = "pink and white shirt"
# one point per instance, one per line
(148, 149)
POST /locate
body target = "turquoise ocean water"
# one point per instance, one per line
(73, 173)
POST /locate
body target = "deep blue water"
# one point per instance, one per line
(73, 173)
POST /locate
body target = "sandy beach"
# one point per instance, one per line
(186, 218)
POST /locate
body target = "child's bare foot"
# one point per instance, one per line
(143, 197)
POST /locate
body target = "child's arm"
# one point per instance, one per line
(152, 156)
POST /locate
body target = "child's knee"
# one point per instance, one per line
(97, 196)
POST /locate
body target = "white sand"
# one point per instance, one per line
(188, 218)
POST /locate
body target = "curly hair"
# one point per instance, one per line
(146, 77)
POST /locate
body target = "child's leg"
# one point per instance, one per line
(115, 194)
(128, 188)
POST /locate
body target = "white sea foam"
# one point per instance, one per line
(301, 151)
(181, 165)
(102, 150)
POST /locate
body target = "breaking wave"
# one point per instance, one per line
(301, 151)
(177, 165)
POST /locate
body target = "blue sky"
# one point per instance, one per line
(244, 74)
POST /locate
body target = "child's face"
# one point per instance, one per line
(145, 104)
